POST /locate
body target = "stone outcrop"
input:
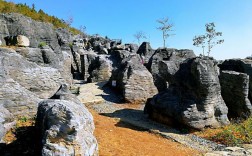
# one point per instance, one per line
(17, 99)
(165, 63)
(100, 69)
(194, 98)
(43, 81)
(242, 66)
(235, 92)
(4, 31)
(134, 80)
(36, 32)
(145, 51)
(66, 128)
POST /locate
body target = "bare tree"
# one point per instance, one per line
(83, 29)
(210, 38)
(166, 28)
(140, 35)
(199, 41)
(69, 21)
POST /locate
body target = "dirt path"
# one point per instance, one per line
(118, 138)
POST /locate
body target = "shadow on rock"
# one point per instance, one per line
(27, 143)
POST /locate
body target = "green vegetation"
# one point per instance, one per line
(10, 7)
(235, 134)
(209, 39)
(23, 119)
(42, 44)
(166, 28)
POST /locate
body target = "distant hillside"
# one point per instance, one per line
(10, 7)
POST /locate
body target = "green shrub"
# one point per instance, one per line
(41, 44)
(235, 133)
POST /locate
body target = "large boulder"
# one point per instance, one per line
(145, 51)
(193, 99)
(15, 98)
(165, 63)
(242, 66)
(23, 41)
(43, 81)
(100, 69)
(133, 80)
(66, 128)
(235, 90)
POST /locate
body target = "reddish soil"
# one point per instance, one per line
(118, 138)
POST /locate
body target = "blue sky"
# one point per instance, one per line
(122, 19)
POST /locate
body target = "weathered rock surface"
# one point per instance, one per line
(14, 97)
(145, 51)
(235, 90)
(43, 81)
(193, 99)
(134, 80)
(23, 41)
(242, 66)
(4, 31)
(165, 63)
(67, 128)
(37, 32)
(6, 121)
(100, 69)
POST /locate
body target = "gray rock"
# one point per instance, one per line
(116, 56)
(65, 38)
(6, 121)
(145, 51)
(193, 99)
(165, 63)
(100, 69)
(37, 32)
(50, 58)
(132, 47)
(31, 54)
(4, 31)
(235, 90)
(134, 80)
(242, 66)
(14, 97)
(43, 81)
(66, 128)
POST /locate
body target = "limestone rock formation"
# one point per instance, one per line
(235, 92)
(134, 80)
(242, 66)
(194, 98)
(165, 63)
(66, 128)
(145, 51)
(100, 69)
(37, 32)
(43, 81)
(15, 98)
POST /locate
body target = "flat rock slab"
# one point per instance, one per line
(91, 93)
